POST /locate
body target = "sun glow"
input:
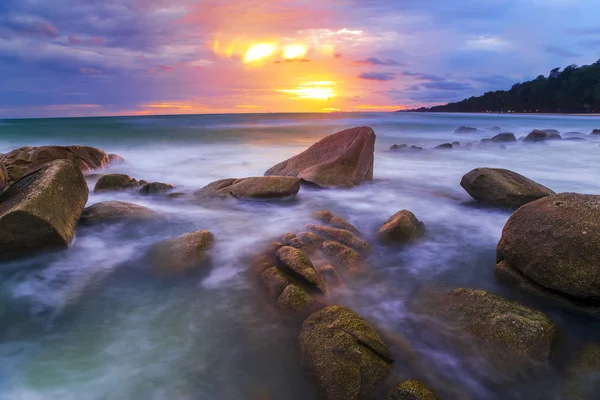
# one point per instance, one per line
(258, 51)
(294, 51)
(319, 90)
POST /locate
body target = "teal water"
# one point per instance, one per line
(94, 323)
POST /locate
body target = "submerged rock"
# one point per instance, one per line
(551, 131)
(40, 210)
(299, 263)
(344, 159)
(536, 136)
(405, 147)
(155, 188)
(402, 227)
(444, 146)
(21, 161)
(465, 129)
(554, 136)
(595, 132)
(262, 187)
(342, 236)
(502, 188)
(114, 211)
(183, 252)
(583, 374)
(328, 217)
(341, 255)
(297, 301)
(114, 183)
(551, 248)
(500, 325)
(344, 353)
(411, 389)
(506, 137)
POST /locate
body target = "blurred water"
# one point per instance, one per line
(95, 323)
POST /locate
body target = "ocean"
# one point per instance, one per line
(94, 323)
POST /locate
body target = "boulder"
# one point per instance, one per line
(551, 132)
(155, 188)
(3, 178)
(502, 188)
(574, 135)
(310, 240)
(465, 129)
(114, 211)
(405, 147)
(455, 144)
(40, 210)
(554, 136)
(344, 353)
(506, 137)
(536, 136)
(499, 325)
(551, 248)
(275, 281)
(595, 132)
(297, 262)
(411, 389)
(342, 236)
(25, 159)
(344, 159)
(296, 300)
(114, 183)
(290, 239)
(263, 187)
(115, 159)
(183, 252)
(328, 217)
(402, 227)
(444, 146)
(341, 255)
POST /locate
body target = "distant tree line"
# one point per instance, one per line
(572, 90)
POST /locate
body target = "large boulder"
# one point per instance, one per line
(344, 159)
(402, 227)
(114, 183)
(536, 136)
(183, 252)
(596, 132)
(344, 353)
(114, 211)
(411, 389)
(40, 211)
(499, 325)
(262, 187)
(25, 159)
(502, 188)
(551, 247)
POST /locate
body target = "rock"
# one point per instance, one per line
(405, 147)
(176, 195)
(327, 217)
(298, 262)
(25, 159)
(344, 159)
(183, 252)
(582, 374)
(344, 353)
(342, 236)
(502, 188)
(495, 129)
(296, 300)
(290, 239)
(114, 183)
(411, 389)
(444, 146)
(342, 256)
(114, 211)
(506, 137)
(500, 325)
(465, 129)
(595, 132)
(275, 281)
(115, 159)
(402, 227)
(3, 178)
(40, 211)
(551, 132)
(329, 274)
(310, 240)
(536, 136)
(455, 144)
(155, 187)
(262, 187)
(554, 136)
(551, 248)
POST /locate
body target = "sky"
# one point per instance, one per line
(141, 57)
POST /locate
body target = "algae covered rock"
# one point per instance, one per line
(183, 252)
(329, 218)
(274, 281)
(341, 256)
(342, 236)
(411, 389)
(298, 262)
(40, 211)
(296, 300)
(402, 227)
(115, 211)
(344, 353)
(502, 188)
(263, 187)
(155, 188)
(344, 159)
(115, 182)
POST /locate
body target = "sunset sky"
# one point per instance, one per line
(136, 57)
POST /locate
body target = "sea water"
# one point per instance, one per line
(94, 322)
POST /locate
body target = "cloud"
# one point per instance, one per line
(488, 43)
(560, 52)
(425, 77)
(378, 76)
(90, 71)
(377, 61)
(29, 26)
(447, 85)
(93, 41)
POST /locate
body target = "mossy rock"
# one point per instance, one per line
(344, 353)
(290, 239)
(411, 389)
(327, 217)
(274, 281)
(183, 252)
(342, 236)
(296, 300)
(298, 263)
(155, 188)
(342, 256)
(402, 227)
(115, 211)
(115, 183)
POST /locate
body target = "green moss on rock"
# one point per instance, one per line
(411, 389)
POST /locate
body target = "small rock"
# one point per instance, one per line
(263, 187)
(340, 235)
(296, 300)
(3, 178)
(536, 136)
(506, 137)
(115, 159)
(183, 252)
(465, 129)
(444, 146)
(402, 227)
(115, 211)
(155, 187)
(405, 147)
(299, 263)
(455, 144)
(595, 132)
(411, 389)
(329, 274)
(115, 182)
(275, 281)
(342, 256)
(327, 217)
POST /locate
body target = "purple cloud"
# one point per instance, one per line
(378, 76)
(377, 61)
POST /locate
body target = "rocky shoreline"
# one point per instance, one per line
(549, 248)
